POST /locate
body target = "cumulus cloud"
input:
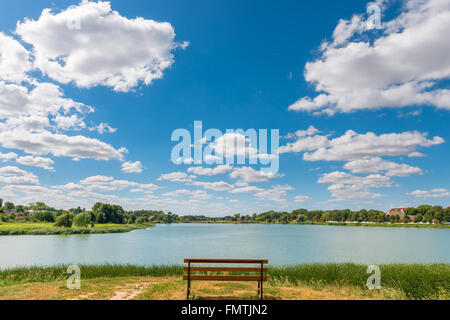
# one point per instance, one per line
(200, 171)
(216, 186)
(301, 198)
(132, 167)
(103, 128)
(11, 175)
(375, 165)
(14, 60)
(345, 186)
(5, 157)
(30, 114)
(195, 194)
(45, 142)
(248, 189)
(45, 163)
(276, 193)
(354, 146)
(248, 174)
(356, 73)
(90, 44)
(175, 177)
(434, 193)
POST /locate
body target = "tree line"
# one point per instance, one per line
(103, 213)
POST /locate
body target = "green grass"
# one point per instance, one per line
(18, 228)
(416, 281)
(385, 225)
(23, 275)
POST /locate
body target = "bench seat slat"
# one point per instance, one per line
(224, 269)
(226, 261)
(226, 278)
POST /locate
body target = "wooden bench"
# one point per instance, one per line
(258, 274)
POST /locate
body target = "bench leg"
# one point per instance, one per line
(259, 287)
(189, 281)
(261, 291)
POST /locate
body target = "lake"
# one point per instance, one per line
(281, 244)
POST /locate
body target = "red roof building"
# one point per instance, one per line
(397, 212)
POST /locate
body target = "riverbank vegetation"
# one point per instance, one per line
(40, 219)
(320, 281)
(424, 216)
(16, 229)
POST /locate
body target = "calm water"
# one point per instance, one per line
(281, 244)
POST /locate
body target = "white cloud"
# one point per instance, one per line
(355, 74)
(71, 187)
(76, 147)
(276, 193)
(373, 180)
(435, 193)
(45, 163)
(72, 122)
(248, 174)
(132, 167)
(210, 171)
(175, 177)
(40, 100)
(11, 175)
(216, 186)
(354, 146)
(103, 128)
(108, 49)
(375, 165)
(196, 194)
(248, 189)
(14, 60)
(345, 186)
(5, 157)
(27, 114)
(97, 180)
(301, 198)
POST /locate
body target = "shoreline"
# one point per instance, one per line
(52, 231)
(336, 224)
(30, 230)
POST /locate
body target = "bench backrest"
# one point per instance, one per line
(251, 273)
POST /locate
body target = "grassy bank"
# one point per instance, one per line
(416, 281)
(14, 229)
(338, 224)
(387, 225)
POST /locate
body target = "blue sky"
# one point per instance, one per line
(232, 64)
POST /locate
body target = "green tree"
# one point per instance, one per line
(83, 220)
(44, 216)
(428, 217)
(64, 221)
(141, 220)
(9, 206)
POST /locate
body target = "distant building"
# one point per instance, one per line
(10, 211)
(397, 212)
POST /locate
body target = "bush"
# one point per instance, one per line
(64, 221)
(141, 220)
(44, 217)
(83, 220)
